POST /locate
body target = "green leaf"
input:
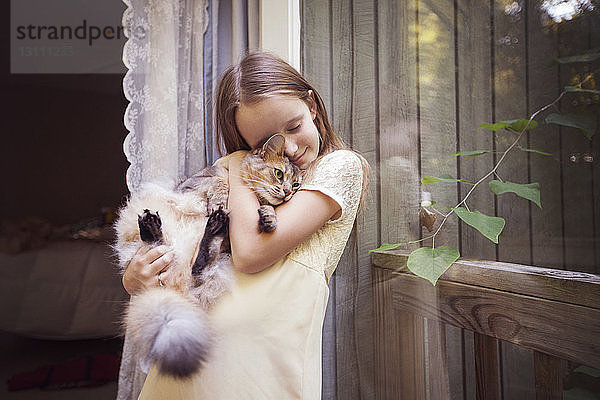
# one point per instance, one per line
(442, 178)
(534, 151)
(584, 122)
(587, 57)
(516, 125)
(386, 246)
(581, 90)
(529, 191)
(490, 227)
(431, 263)
(493, 127)
(472, 153)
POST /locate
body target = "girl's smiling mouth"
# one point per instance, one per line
(297, 159)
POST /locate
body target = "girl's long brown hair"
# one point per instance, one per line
(260, 75)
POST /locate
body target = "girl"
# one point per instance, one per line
(268, 328)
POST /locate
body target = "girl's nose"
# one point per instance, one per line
(290, 148)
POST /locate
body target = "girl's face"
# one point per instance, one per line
(285, 115)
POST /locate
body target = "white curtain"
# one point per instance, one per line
(175, 52)
(164, 86)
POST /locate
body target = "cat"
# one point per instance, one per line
(168, 326)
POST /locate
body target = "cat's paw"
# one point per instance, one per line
(218, 222)
(212, 207)
(150, 227)
(267, 218)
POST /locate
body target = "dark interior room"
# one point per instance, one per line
(62, 136)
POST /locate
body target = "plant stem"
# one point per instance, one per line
(493, 171)
(505, 152)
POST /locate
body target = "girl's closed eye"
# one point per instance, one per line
(294, 128)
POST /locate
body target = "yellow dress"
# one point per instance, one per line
(268, 328)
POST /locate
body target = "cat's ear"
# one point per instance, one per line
(275, 144)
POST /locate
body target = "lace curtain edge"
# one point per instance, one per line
(186, 153)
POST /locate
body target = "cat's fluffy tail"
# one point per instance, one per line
(169, 330)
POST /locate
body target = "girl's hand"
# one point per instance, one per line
(148, 268)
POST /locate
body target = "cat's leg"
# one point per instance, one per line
(267, 218)
(150, 227)
(217, 194)
(210, 185)
(217, 228)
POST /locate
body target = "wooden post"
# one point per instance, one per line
(412, 357)
(437, 361)
(399, 356)
(486, 366)
(548, 382)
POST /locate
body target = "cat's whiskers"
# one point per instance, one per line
(269, 188)
(270, 193)
(257, 181)
(261, 190)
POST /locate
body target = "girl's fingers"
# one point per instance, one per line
(153, 253)
(163, 278)
(144, 268)
(161, 264)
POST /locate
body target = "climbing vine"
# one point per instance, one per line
(431, 262)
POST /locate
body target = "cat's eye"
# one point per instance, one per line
(278, 173)
(295, 185)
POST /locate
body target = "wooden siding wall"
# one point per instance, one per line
(407, 84)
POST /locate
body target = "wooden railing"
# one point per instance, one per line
(555, 313)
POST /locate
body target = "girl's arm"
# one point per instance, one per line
(297, 219)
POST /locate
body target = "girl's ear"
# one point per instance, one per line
(275, 144)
